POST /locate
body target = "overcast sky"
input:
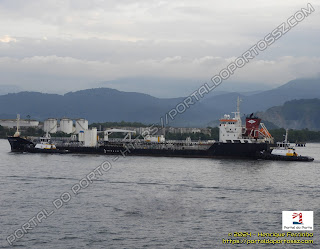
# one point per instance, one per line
(165, 48)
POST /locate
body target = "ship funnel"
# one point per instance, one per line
(252, 126)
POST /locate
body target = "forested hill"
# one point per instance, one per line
(295, 114)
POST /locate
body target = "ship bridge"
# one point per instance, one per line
(232, 131)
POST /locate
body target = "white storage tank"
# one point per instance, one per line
(81, 125)
(50, 125)
(66, 125)
(91, 137)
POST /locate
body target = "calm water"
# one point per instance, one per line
(151, 202)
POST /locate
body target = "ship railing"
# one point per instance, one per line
(124, 140)
(167, 146)
(71, 144)
(53, 139)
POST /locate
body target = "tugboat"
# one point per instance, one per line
(284, 148)
(285, 152)
(45, 143)
(45, 146)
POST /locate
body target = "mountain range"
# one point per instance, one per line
(106, 104)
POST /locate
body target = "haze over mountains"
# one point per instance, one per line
(166, 87)
(105, 104)
(5, 89)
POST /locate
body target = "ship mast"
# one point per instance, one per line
(286, 136)
(237, 113)
(238, 104)
(17, 133)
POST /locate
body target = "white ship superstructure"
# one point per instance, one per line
(232, 131)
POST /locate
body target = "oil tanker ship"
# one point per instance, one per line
(252, 140)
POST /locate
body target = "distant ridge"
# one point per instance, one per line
(295, 89)
(106, 104)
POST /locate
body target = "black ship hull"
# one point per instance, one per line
(19, 144)
(216, 150)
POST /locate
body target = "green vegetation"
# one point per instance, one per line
(4, 132)
(30, 131)
(302, 108)
(58, 134)
(296, 135)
